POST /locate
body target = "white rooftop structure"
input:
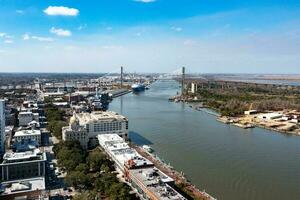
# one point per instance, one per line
(157, 183)
(139, 170)
(120, 151)
(27, 132)
(23, 185)
(99, 116)
(10, 157)
(270, 116)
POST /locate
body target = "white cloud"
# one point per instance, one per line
(178, 29)
(145, 1)
(20, 11)
(5, 35)
(61, 10)
(42, 39)
(60, 32)
(26, 36)
(8, 41)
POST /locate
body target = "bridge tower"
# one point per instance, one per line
(121, 77)
(182, 81)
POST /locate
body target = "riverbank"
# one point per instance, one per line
(288, 123)
(280, 125)
(179, 178)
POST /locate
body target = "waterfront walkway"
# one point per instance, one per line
(179, 178)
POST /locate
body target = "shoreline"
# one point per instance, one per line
(235, 120)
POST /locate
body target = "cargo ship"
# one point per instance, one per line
(138, 87)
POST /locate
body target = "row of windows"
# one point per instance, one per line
(108, 126)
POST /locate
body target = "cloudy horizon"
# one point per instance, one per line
(150, 36)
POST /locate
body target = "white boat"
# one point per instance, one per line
(147, 148)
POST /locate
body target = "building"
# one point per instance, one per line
(23, 165)
(29, 189)
(28, 135)
(194, 88)
(250, 112)
(85, 127)
(26, 117)
(143, 176)
(270, 116)
(101, 122)
(75, 132)
(2, 127)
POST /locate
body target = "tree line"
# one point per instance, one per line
(55, 118)
(233, 102)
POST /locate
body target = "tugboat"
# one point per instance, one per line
(138, 87)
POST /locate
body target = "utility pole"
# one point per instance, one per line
(182, 81)
(121, 77)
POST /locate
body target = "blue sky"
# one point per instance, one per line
(208, 36)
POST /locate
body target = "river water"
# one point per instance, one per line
(228, 162)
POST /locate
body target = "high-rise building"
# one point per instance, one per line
(2, 126)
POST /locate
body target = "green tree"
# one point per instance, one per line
(96, 159)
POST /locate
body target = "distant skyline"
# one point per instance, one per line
(205, 36)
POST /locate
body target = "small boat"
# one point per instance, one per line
(147, 148)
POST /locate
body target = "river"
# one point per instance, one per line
(228, 162)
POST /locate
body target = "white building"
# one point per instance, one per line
(120, 152)
(26, 117)
(194, 88)
(2, 127)
(104, 123)
(22, 165)
(270, 116)
(85, 127)
(75, 132)
(250, 112)
(28, 134)
(149, 182)
(33, 188)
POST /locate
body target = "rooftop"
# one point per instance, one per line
(121, 152)
(12, 157)
(25, 113)
(27, 132)
(110, 138)
(99, 116)
(156, 182)
(29, 185)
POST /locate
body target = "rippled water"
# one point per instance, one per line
(228, 162)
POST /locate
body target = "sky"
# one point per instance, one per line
(205, 36)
